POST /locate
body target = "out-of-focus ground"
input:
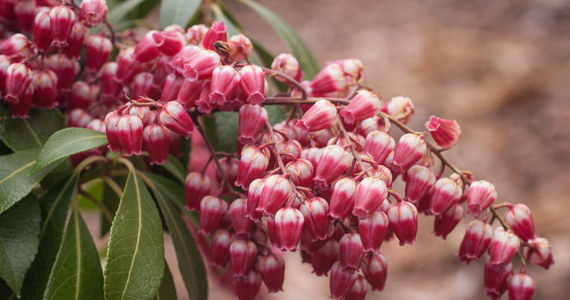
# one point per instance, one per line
(502, 70)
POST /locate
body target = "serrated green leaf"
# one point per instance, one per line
(54, 205)
(167, 290)
(177, 12)
(67, 142)
(118, 12)
(135, 263)
(175, 167)
(298, 47)
(21, 134)
(189, 259)
(76, 273)
(15, 183)
(19, 230)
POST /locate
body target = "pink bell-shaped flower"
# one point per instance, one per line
(504, 246)
(321, 115)
(370, 193)
(374, 266)
(97, 51)
(130, 134)
(373, 230)
(18, 78)
(288, 65)
(333, 162)
(45, 89)
(212, 212)
(363, 106)
(240, 47)
(419, 182)
(221, 241)
(343, 198)
(242, 256)
(411, 148)
(480, 195)
(252, 165)
(496, 278)
(225, 80)
(444, 132)
(276, 191)
(301, 172)
(238, 214)
(174, 117)
(400, 108)
(75, 41)
(477, 239)
(217, 32)
(289, 225)
(351, 251)
(341, 281)
(520, 286)
(62, 19)
(323, 258)
(247, 286)
(519, 219)
(42, 31)
(93, 12)
(252, 84)
(252, 119)
(316, 215)
(379, 144)
(196, 187)
(446, 222)
(157, 140)
(403, 218)
(539, 252)
(272, 269)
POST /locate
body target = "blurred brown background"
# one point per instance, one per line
(502, 70)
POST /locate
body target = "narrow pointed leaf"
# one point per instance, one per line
(67, 142)
(177, 12)
(167, 290)
(19, 230)
(135, 262)
(298, 47)
(76, 273)
(54, 205)
(111, 201)
(189, 259)
(121, 10)
(21, 134)
(15, 183)
(175, 167)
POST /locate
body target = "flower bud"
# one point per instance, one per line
(253, 195)
(242, 256)
(252, 165)
(446, 192)
(142, 85)
(272, 269)
(196, 187)
(217, 32)
(379, 144)
(496, 278)
(519, 218)
(42, 31)
(478, 236)
(147, 116)
(111, 130)
(301, 173)
(25, 13)
(45, 89)
(229, 166)
(373, 230)
(343, 198)
(18, 78)
(252, 84)
(127, 66)
(201, 65)
(539, 252)
(504, 246)
(334, 162)
(240, 47)
(446, 222)
(321, 115)
(16, 45)
(410, 149)
(444, 132)
(248, 286)
(323, 258)
(130, 134)
(65, 68)
(403, 218)
(400, 108)
(157, 140)
(341, 281)
(252, 119)
(169, 42)
(521, 286)
(330, 81)
(171, 87)
(372, 124)
(62, 19)
(146, 50)
(289, 225)
(97, 51)
(238, 213)
(312, 154)
(189, 92)
(212, 212)
(221, 241)
(174, 117)
(22, 108)
(353, 70)
(316, 215)
(195, 34)
(370, 193)
(374, 266)
(276, 191)
(480, 195)
(419, 182)
(287, 64)
(225, 80)
(358, 290)
(351, 251)
(93, 12)
(363, 106)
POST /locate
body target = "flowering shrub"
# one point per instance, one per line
(281, 157)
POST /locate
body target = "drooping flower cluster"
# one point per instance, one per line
(319, 182)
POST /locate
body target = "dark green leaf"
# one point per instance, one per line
(19, 230)
(167, 291)
(21, 134)
(135, 262)
(222, 130)
(15, 183)
(117, 12)
(300, 50)
(111, 200)
(76, 273)
(177, 12)
(67, 142)
(175, 167)
(6, 292)
(189, 259)
(54, 204)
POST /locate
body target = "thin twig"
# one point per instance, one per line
(99, 204)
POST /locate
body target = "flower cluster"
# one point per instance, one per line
(319, 182)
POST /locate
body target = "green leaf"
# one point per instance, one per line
(111, 200)
(15, 183)
(117, 12)
(222, 130)
(177, 12)
(300, 50)
(67, 142)
(19, 230)
(6, 292)
(135, 262)
(54, 205)
(167, 291)
(76, 273)
(21, 134)
(219, 15)
(189, 259)
(175, 167)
